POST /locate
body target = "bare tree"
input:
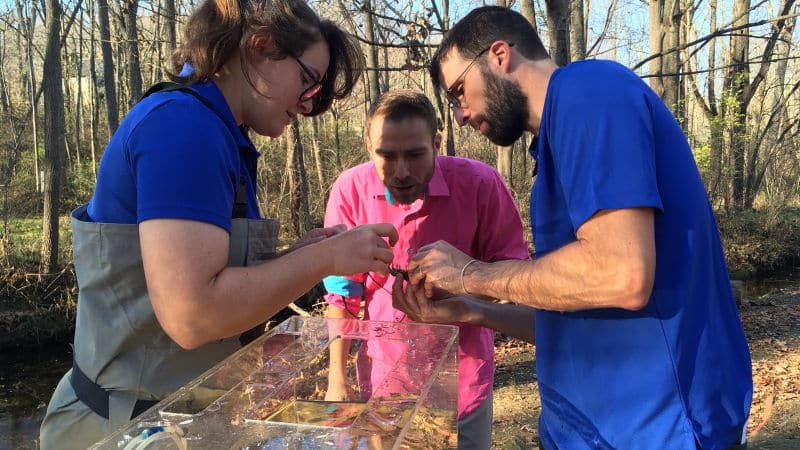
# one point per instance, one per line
(55, 131)
(169, 20)
(665, 19)
(95, 103)
(739, 84)
(28, 24)
(129, 20)
(4, 95)
(558, 19)
(317, 155)
(528, 10)
(576, 22)
(372, 52)
(109, 82)
(298, 183)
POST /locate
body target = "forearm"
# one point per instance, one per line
(561, 281)
(197, 299)
(239, 298)
(610, 265)
(512, 320)
(339, 350)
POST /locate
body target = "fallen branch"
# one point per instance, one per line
(768, 401)
(300, 311)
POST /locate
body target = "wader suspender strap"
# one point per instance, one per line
(96, 398)
(89, 392)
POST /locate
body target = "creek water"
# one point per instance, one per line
(28, 378)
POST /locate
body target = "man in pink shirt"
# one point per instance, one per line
(427, 198)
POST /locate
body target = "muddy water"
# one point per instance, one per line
(27, 379)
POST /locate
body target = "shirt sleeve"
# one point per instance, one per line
(603, 145)
(185, 164)
(501, 232)
(343, 292)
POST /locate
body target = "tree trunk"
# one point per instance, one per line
(578, 38)
(4, 95)
(28, 25)
(558, 30)
(504, 163)
(169, 19)
(337, 143)
(717, 141)
(79, 94)
(109, 84)
(739, 76)
(664, 35)
(95, 103)
(372, 53)
(129, 8)
(318, 156)
(54, 138)
(528, 10)
(298, 184)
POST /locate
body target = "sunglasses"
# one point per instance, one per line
(316, 85)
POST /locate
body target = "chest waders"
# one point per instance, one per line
(124, 363)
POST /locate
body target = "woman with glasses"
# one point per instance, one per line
(172, 261)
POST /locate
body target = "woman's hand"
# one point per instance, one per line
(312, 237)
(362, 249)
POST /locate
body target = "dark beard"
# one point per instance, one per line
(506, 109)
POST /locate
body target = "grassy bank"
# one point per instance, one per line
(37, 309)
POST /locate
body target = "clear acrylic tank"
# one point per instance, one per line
(401, 380)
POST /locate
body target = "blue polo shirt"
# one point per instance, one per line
(176, 157)
(676, 372)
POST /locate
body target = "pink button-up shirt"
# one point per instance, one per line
(467, 205)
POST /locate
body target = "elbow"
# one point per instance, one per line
(185, 329)
(185, 337)
(635, 287)
(188, 342)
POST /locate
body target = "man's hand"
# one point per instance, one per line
(437, 268)
(420, 308)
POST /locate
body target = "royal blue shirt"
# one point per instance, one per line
(177, 157)
(676, 372)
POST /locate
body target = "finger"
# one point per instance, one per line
(378, 267)
(415, 274)
(324, 232)
(308, 239)
(409, 305)
(386, 230)
(413, 301)
(336, 229)
(428, 289)
(398, 296)
(384, 255)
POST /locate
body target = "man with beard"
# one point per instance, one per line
(639, 343)
(427, 198)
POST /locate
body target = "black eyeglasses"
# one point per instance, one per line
(309, 92)
(456, 90)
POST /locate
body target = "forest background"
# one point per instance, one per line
(70, 70)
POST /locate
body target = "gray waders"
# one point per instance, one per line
(123, 361)
(120, 348)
